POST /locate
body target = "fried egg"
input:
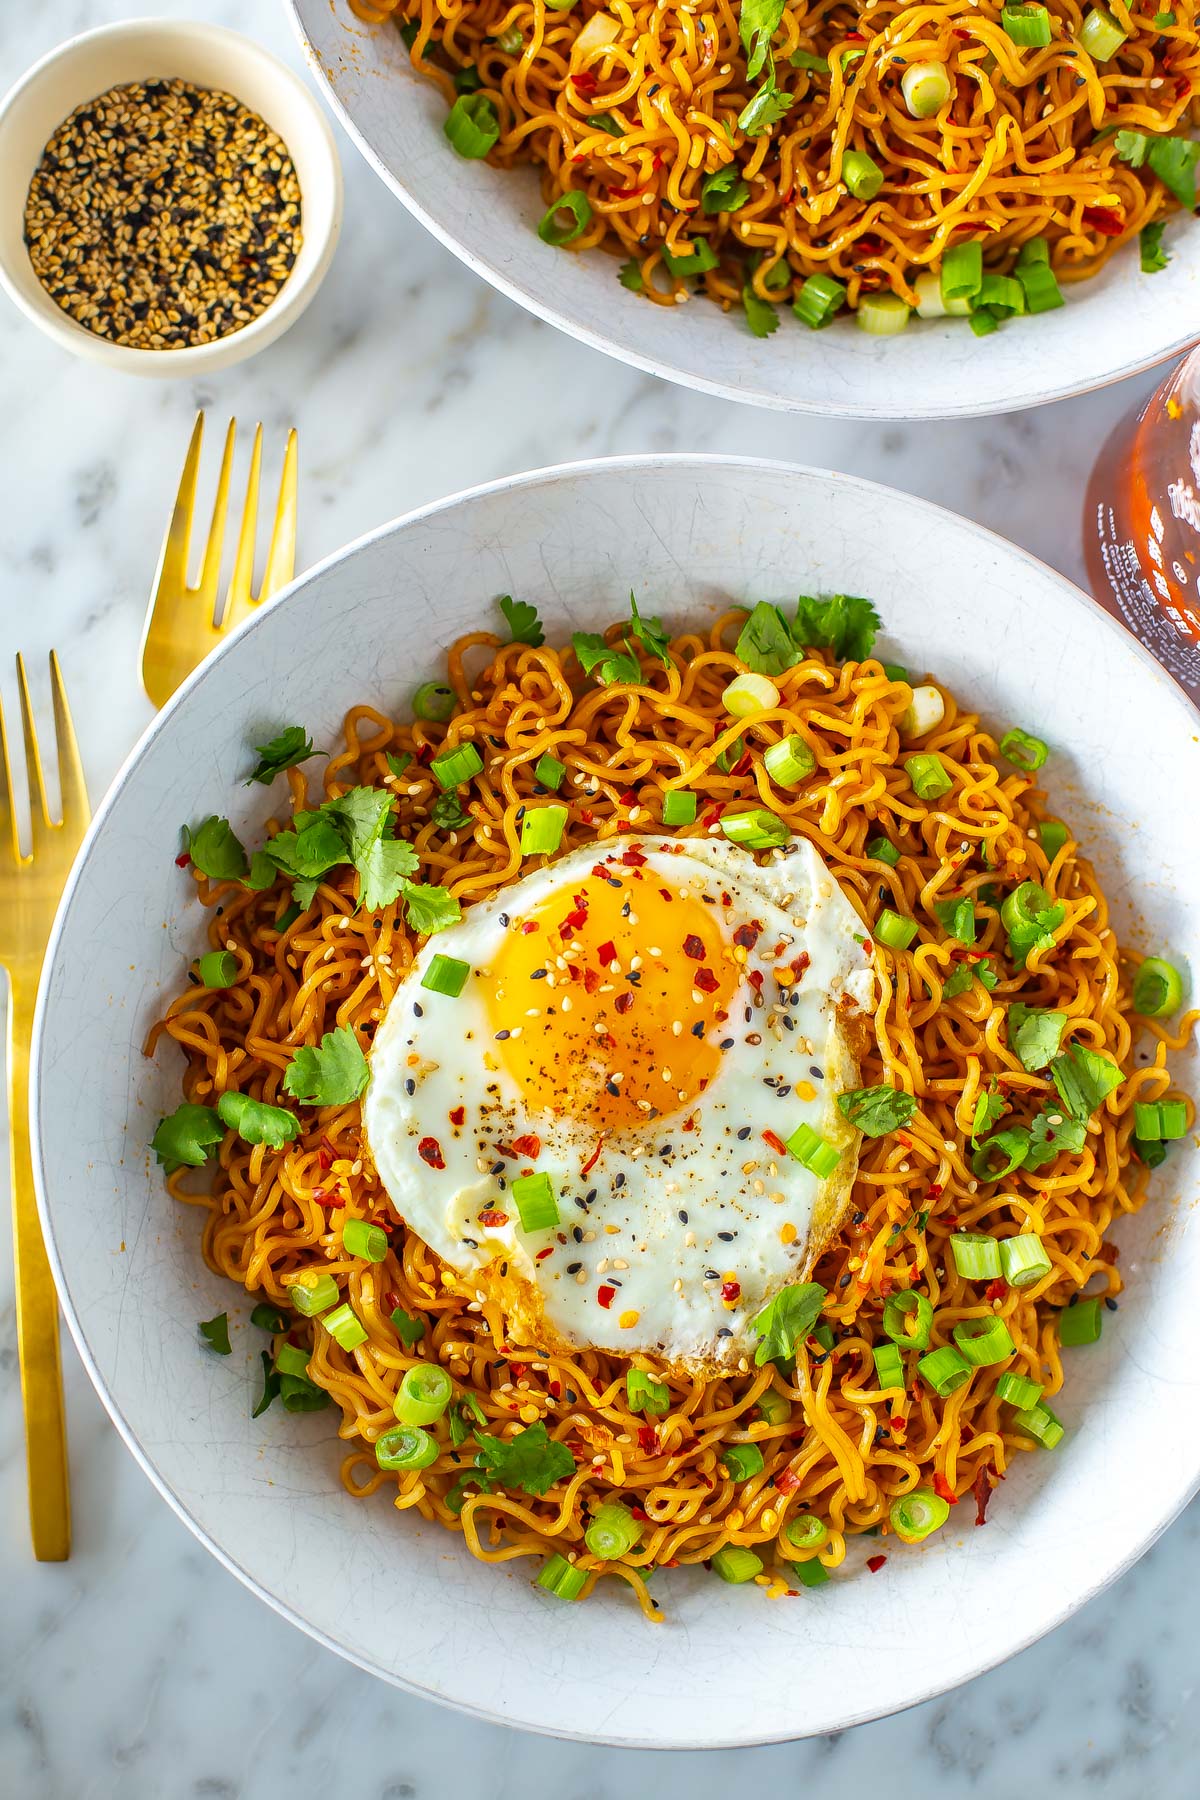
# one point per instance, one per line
(646, 1023)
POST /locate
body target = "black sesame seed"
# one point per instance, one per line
(683, 1218)
(577, 1233)
(727, 1237)
(418, 1010)
(744, 1133)
(410, 1086)
(574, 1268)
(505, 920)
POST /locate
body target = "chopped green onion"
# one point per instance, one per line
(743, 1461)
(1051, 835)
(613, 1532)
(761, 316)
(536, 1202)
(1028, 26)
(735, 1564)
(645, 1395)
(945, 1370)
(1100, 34)
(446, 975)
(456, 767)
(811, 1574)
(915, 1516)
(1028, 753)
(894, 930)
(931, 304)
(1151, 1153)
(1018, 1390)
(983, 1342)
(361, 1239)
(405, 1447)
(1039, 285)
(962, 270)
(724, 191)
(298, 1395)
(1157, 988)
(976, 1256)
(926, 87)
(343, 1324)
(1171, 1122)
(511, 42)
(814, 1151)
(218, 969)
(983, 321)
(908, 1319)
(679, 807)
(549, 772)
(312, 1294)
(553, 231)
(862, 175)
(730, 754)
(697, 261)
(268, 1317)
(1162, 20)
(747, 694)
(291, 1360)
(803, 1533)
(472, 125)
(928, 776)
(889, 1366)
(789, 761)
(423, 1394)
(818, 300)
(435, 701)
(467, 80)
(775, 1408)
(1030, 918)
(883, 850)
(561, 1578)
(542, 830)
(881, 315)
(1023, 1260)
(1033, 250)
(1081, 1323)
(757, 829)
(1040, 1423)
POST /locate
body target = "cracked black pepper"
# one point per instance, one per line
(163, 215)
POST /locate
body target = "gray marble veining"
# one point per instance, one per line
(141, 1670)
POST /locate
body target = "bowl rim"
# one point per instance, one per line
(1130, 1550)
(528, 299)
(288, 304)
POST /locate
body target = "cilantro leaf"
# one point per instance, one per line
(761, 316)
(216, 851)
(764, 111)
(384, 872)
(1012, 1144)
(532, 1461)
(787, 1319)
(596, 656)
(411, 1330)
(877, 1110)
(187, 1137)
(1084, 1079)
(957, 919)
(649, 631)
(293, 745)
(429, 909)
(758, 21)
(263, 872)
(965, 973)
(1047, 1140)
(331, 1075)
(630, 276)
(1034, 1034)
(215, 1333)
(523, 623)
(302, 1396)
(448, 812)
(1131, 147)
(988, 1108)
(308, 851)
(843, 623)
(1150, 247)
(359, 815)
(765, 643)
(256, 1122)
(1173, 160)
(304, 892)
(397, 763)
(270, 1384)
(460, 1427)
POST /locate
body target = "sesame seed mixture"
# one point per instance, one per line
(163, 215)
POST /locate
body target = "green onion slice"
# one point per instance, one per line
(743, 1461)
(926, 87)
(536, 1202)
(455, 767)
(945, 1370)
(775, 1408)
(883, 850)
(542, 830)
(1157, 988)
(982, 1342)
(434, 701)
(814, 1151)
(1051, 835)
(645, 1395)
(1083, 1322)
(811, 1574)
(555, 230)
(735, 1564)
(757, 829)
(613, 1532)
(1018, 1390)
(405, 1447)
(361, 1239)
(894, 930)
(962, 270)
(889, 1366)
(561, 1578)
(908, 1319)
(1026, 752)
(914, 1516)
(861, 174)
(446, 975)
(1023, 1260)
(789, 761)
(345, 1327)
(1040, 1423)
(290, 1359)
(549, 772)
(312, 1294)
(423, 1394)
(818, 300)
(1100, 34)
(976, 1256)
(881, 315)
(472, 125)
(928, 776)
(803, 1534)
(218, 969)
(1028, 26)
(679, 807)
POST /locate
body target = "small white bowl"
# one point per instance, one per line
(209, 57)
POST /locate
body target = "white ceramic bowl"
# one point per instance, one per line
(209, 56)
(1111, 327)
(405, 1599)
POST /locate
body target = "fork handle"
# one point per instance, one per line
(37, 1316)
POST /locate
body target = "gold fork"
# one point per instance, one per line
(30, 887)
(183, 624)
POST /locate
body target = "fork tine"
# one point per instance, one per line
(238, 599)
(172, 563)
(39, 812)
(210, 573)
(281, 557)
(8, 811)
(71, 783)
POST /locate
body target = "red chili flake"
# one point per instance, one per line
(324, 1157)
(430, 1151)
(594, 1158)
(950, 1221)
(800, 965)
(693, 946)
(647, 1439)
(961, 34)
(528, 1144)
(755, 978)
(746, 936)
(731, 1291)
(943, 1490)
(1108, 221)
(640, 1514)
(587, 816)
(587, 83)
(785, 199)
(870, 246)
(706, 981)
(855, 37)
(615, 193)
(981, 1487)
(624, 1001)
(710, 818)
(574, 971)
(528, 926)
(605, 1295)
(875, 1563)
(1182, 86)
(591, 980)
(775, 1142)
(543, 1254)
(658, 161)
(933, 1191)
(897, 1423)
(555, 1389)
(667, 895)
(458, 1115)
(742, 764)
(904, 1141)
(726, 898)
(632, 858)
(606, 953)
(326, 1197)
(575, 919)
(391, 1300)
(491, 1218)
(184, 860)
(997, 1289)
(787, 1481)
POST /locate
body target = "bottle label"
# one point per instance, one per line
(1151, 605)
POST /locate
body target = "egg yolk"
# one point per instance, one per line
(608, 997)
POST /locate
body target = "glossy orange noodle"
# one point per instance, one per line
(637, 106)
(834, 1444)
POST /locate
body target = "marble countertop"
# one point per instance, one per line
(141, 1670)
